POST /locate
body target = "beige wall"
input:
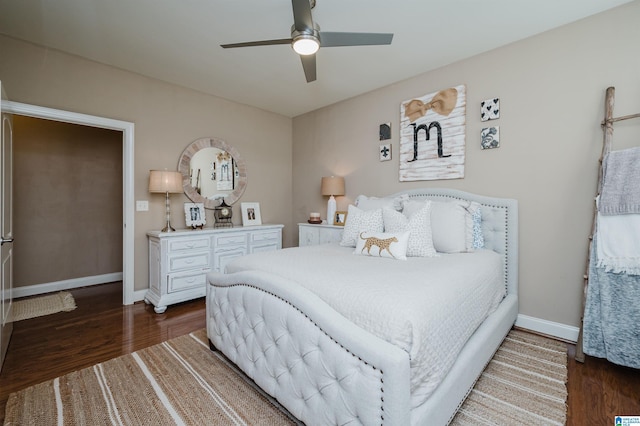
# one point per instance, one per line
(167, 118)
(67, 199)
(551, 89)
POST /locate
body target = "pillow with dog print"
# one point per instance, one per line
(382, 244)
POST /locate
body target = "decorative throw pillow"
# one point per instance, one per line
(451, 224)
(383, 244)
(478, 236)
(419, 227)
(359, 220)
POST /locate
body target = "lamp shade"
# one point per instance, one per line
(165, 181)
(333, 185)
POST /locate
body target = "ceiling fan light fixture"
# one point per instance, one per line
(305, 44)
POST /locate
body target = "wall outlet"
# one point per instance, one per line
(142, 205)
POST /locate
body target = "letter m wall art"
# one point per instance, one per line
(432, 135)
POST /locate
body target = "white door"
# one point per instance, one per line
(6, 228)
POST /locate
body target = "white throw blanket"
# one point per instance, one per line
(428, 306)
(618, 248)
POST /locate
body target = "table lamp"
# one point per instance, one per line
(332, 186)
(163, 181)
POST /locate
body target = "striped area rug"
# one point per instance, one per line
(182, 382)
(176, 382)
(524, 384)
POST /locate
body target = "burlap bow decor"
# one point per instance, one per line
(442, 103)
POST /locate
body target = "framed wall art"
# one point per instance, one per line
(432, 135)
(490, 109)
(385, 152)
(385, 131)
(490, 137)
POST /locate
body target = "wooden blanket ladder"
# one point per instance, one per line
(607, 127)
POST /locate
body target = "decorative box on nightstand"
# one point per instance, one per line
(179, 261)
(309, 235)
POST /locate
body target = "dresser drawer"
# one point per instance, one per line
(265, 237)
(222, 257)
(308, 236)
(186, 281)
(189, 261)
(189, 244)
(229, 240)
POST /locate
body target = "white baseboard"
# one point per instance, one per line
(139, 295)
(35, 289)
(554, 329)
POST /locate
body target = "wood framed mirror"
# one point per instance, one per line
(212, 170)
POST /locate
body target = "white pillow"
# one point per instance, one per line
(419, 227)
(358, 221)
(373, 203)
(451, 224)
(383, 244)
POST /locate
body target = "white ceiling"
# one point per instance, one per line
(178, 41)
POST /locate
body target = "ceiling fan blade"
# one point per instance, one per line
(302, 20)
(335, 39)
(309, 65)
(257, 43)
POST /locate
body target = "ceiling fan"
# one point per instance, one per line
(306, 38)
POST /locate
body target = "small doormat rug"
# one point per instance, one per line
(182, 382)
(43, 305)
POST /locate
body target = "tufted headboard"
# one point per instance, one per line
(499, 224)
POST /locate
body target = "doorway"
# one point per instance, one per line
(68, 204)
(127, 130)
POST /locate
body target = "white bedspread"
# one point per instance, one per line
(428, 306)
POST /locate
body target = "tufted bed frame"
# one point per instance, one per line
(243, 305)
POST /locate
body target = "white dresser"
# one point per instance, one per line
(179, 261)
(309, 234)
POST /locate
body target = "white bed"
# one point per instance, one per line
(301, 323)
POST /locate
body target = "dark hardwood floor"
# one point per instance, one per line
(101, 328)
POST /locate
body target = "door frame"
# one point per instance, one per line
(128, 214)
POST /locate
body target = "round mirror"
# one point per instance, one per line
(212, 170)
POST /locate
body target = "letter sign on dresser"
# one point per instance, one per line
(179, 261)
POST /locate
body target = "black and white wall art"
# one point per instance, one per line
(490, 109)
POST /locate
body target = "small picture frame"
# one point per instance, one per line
(340, 218)
(251, 214)
(385, 152)
(490, 109)
(385, 131)
(194, 215)
(490, 137)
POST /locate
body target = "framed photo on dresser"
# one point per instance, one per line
(250, 214)
(194, 215)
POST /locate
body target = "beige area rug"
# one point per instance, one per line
(524, 384)
(43, 305)
(182, 382)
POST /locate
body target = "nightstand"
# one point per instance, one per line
(309, 234)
